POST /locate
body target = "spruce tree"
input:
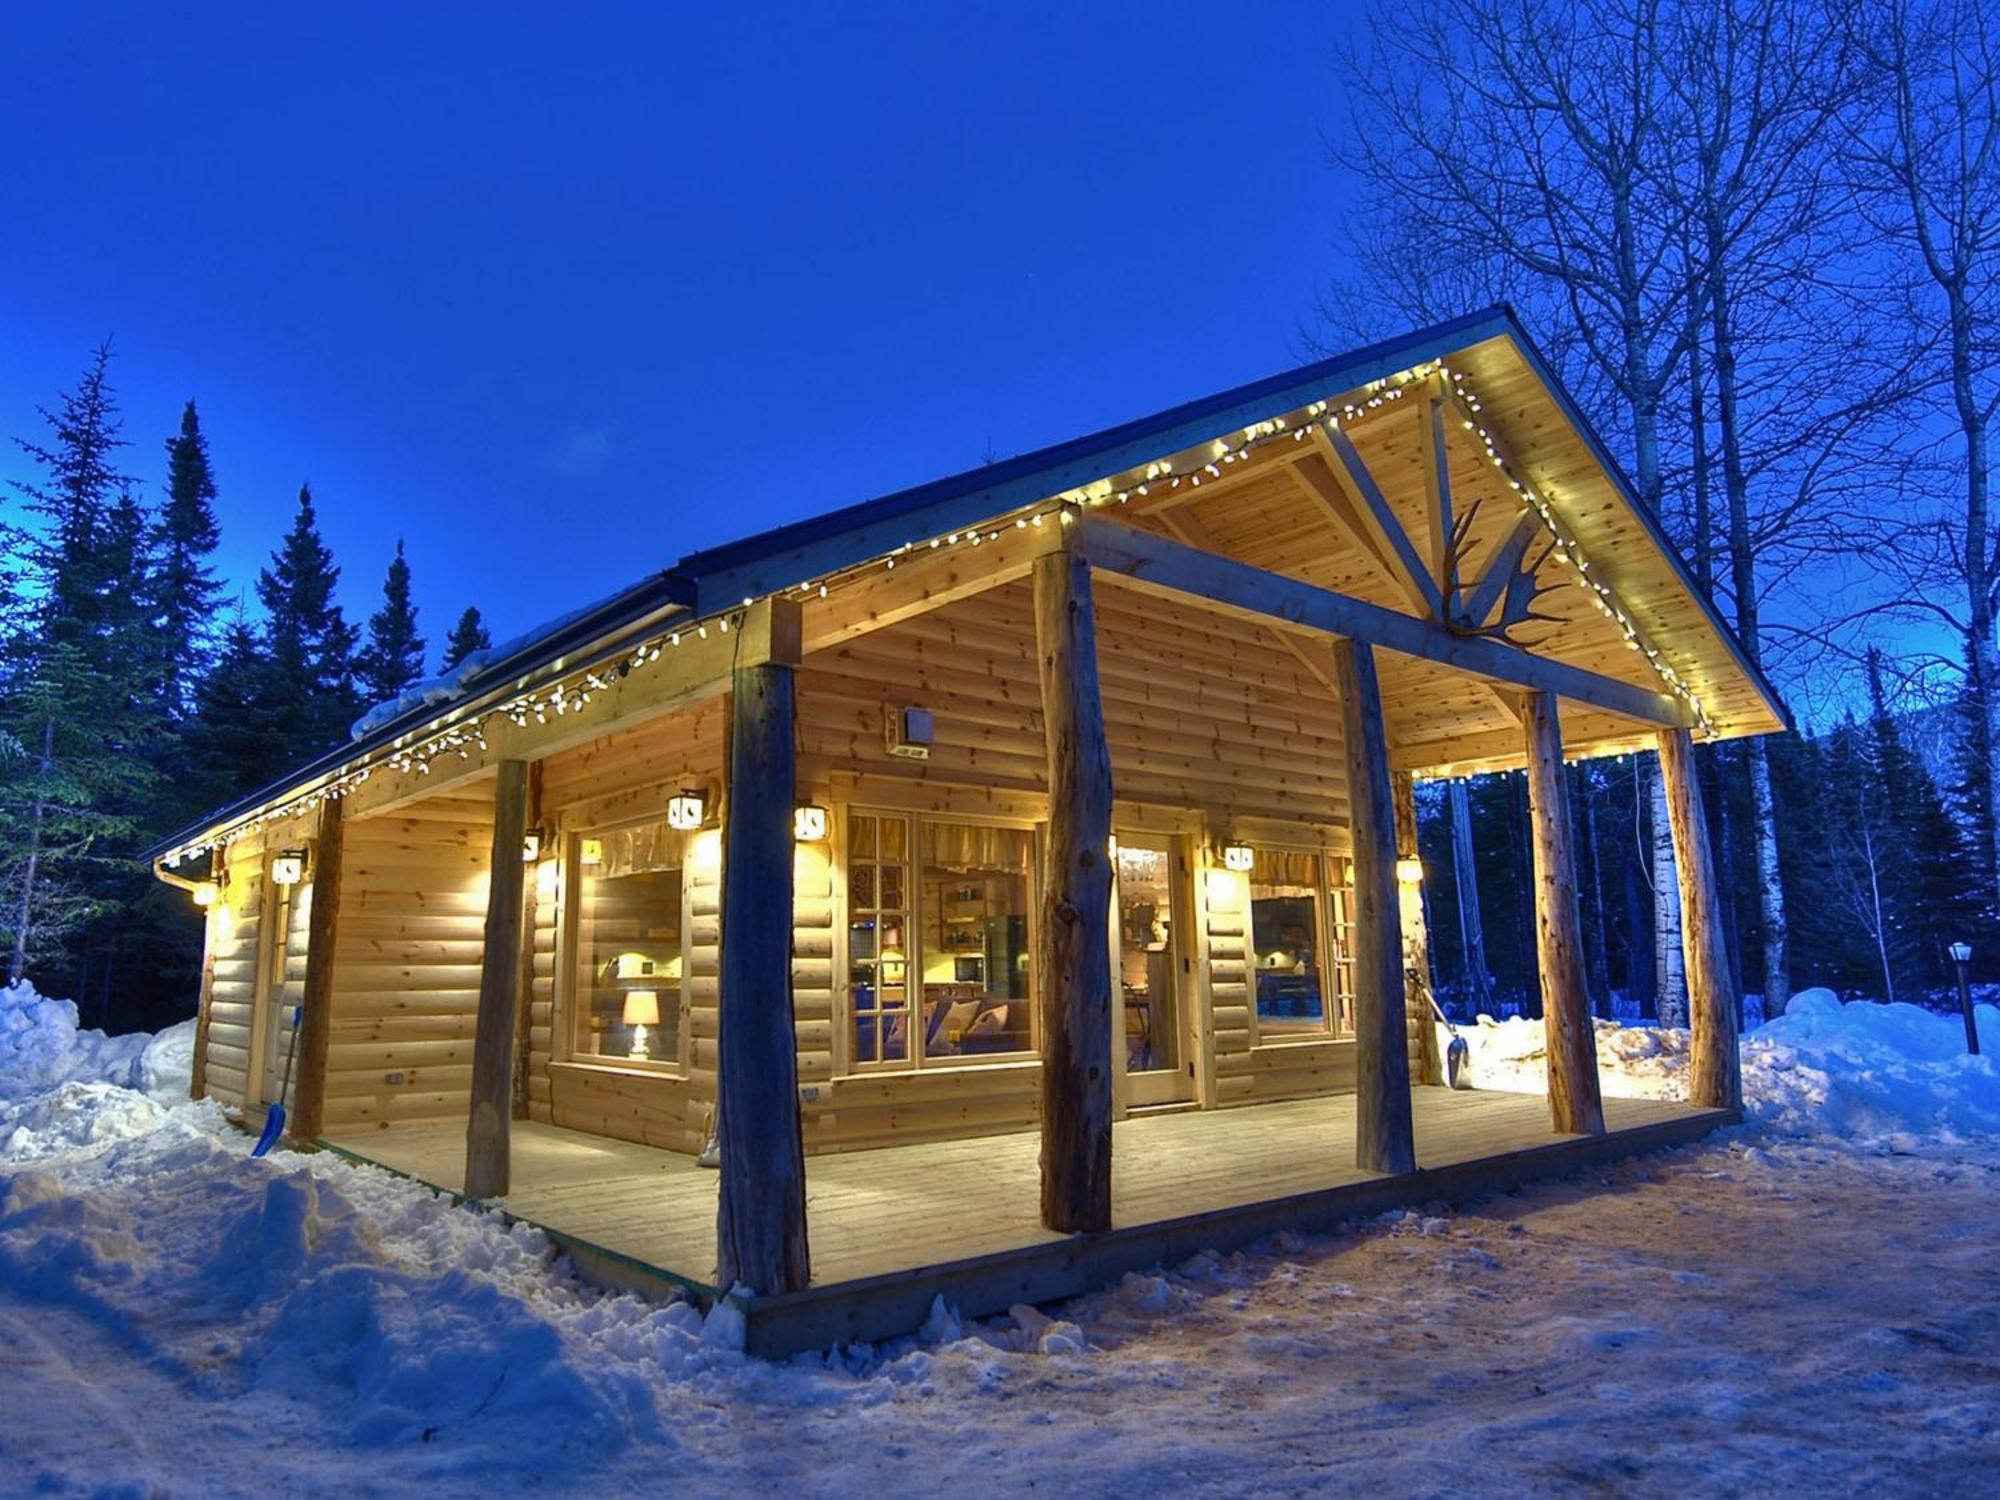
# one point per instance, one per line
(241, 733)
(72, 713)
(467, 636)
(185, 538)
(394, 655)
(310, 643)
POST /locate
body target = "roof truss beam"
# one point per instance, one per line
(1172, 567)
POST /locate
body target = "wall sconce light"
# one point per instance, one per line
(686, 810)
(1238, 857)
(808, 823)
(205, 893)
(289, 868)
(591, 851)
(1410, 871)
(531, 847)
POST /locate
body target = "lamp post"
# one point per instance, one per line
(1961, 953)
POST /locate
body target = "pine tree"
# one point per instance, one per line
(310, 643)
(394, 655)
(185, 538)
(467, 636)
(73, 711)
(240, 734)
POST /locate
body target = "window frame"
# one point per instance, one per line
(915, 911)
(1333, 906)
(570, 926)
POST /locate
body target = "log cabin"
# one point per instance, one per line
(1003, 883)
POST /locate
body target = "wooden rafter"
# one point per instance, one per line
(1436, 464)
(1372, 515)
(1189, 529)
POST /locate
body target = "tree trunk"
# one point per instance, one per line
(1426, 1065)
(1777, 975)
(1073, 957)
(1575, 1104)
(1597, 960)
(1465, 873)
(1384, 1136)
(1670, 996)
(17, 962)
(760, 1222)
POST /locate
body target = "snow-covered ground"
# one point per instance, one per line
(1812, 1299)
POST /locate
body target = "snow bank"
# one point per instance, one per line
(42, 1047)
(1889, 1075)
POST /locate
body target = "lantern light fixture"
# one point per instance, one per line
(1961, 952)
(1410, 870)
(531, 847)
(808, 823)
(687, 809)
(205, 893)
(1238, 857)
(288, 868)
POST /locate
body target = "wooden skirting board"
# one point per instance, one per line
(894, 1228)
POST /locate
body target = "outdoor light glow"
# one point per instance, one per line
(1410, 871)
(205, 892)
(687, 810)
(289, 868)
(808, 823)
(1239, 857)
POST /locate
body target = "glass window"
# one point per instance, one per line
(628, 942)
(878, 920)
(1341, 911)
(1285, 936)
(977, 884)
(1148, 962)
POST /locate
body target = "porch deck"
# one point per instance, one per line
(893, 1227)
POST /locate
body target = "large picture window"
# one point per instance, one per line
(938, 940)
(626, 1005)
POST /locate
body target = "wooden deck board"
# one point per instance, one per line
(890, 1223)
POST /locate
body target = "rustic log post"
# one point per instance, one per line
(1426, 1066)
(1716, 1082)
(316, 996)
(761, 1215)
(530, 917)
(488, 1162)
(1384, 1139)
(1574, 1102)
(1073, 960)
(205, 997)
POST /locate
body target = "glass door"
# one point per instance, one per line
(1151, 970)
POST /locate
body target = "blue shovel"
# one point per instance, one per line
(274, 1118)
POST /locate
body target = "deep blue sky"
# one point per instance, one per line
(558, 297)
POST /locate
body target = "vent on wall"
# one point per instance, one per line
(910, 733)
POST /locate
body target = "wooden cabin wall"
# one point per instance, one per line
(235, 936)
(621, 777)
(408, 948)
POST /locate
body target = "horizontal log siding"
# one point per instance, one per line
(236, 932)
(407, 956)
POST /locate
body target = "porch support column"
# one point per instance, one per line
(316, 994)
(1716, 1082)
(1384, 1138)
(1574, 1103)
(760, 1226)
(1073, 960)
(1425, 1064)
(487, 1158)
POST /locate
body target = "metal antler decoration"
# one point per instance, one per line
(1504, 582)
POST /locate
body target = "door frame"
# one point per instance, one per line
(1183, 1084)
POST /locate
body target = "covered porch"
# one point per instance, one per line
(893, 1228)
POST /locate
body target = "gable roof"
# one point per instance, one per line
(716, 579)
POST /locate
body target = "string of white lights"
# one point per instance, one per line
(568, 696)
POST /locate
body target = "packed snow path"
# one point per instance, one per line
(1781, 1306)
